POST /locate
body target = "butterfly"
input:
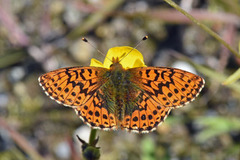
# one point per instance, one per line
(136, 98)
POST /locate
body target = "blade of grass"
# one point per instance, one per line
(204, 27)
(9, 59)
(232, 78)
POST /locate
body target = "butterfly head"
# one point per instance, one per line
(124, 55)
(116, 64)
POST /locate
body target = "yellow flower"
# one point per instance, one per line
(132, 60)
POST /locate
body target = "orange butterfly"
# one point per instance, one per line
(122, 92)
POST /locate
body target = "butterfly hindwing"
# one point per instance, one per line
(147, 116)
(94, 112)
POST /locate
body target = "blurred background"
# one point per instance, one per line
(37, 36)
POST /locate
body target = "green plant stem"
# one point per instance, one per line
(92, 136)
(204, 27)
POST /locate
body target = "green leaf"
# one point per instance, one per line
(148, 148)
(215, 126)
(233, 78)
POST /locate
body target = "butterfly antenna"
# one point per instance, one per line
(138, 43)
(85, 40)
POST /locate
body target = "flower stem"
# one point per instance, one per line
(89, 150)
(92, 136)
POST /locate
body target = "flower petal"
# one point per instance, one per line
(128, 56)
(96, 63)
(131, 57)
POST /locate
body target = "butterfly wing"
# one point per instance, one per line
(148, 114)
(79, 88)
(161, 89)
(95, 112)
(169, 87)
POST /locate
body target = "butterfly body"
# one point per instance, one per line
(120, 88)
(136, 99)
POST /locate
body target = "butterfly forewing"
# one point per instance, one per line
(72, 86)
(169, 87)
